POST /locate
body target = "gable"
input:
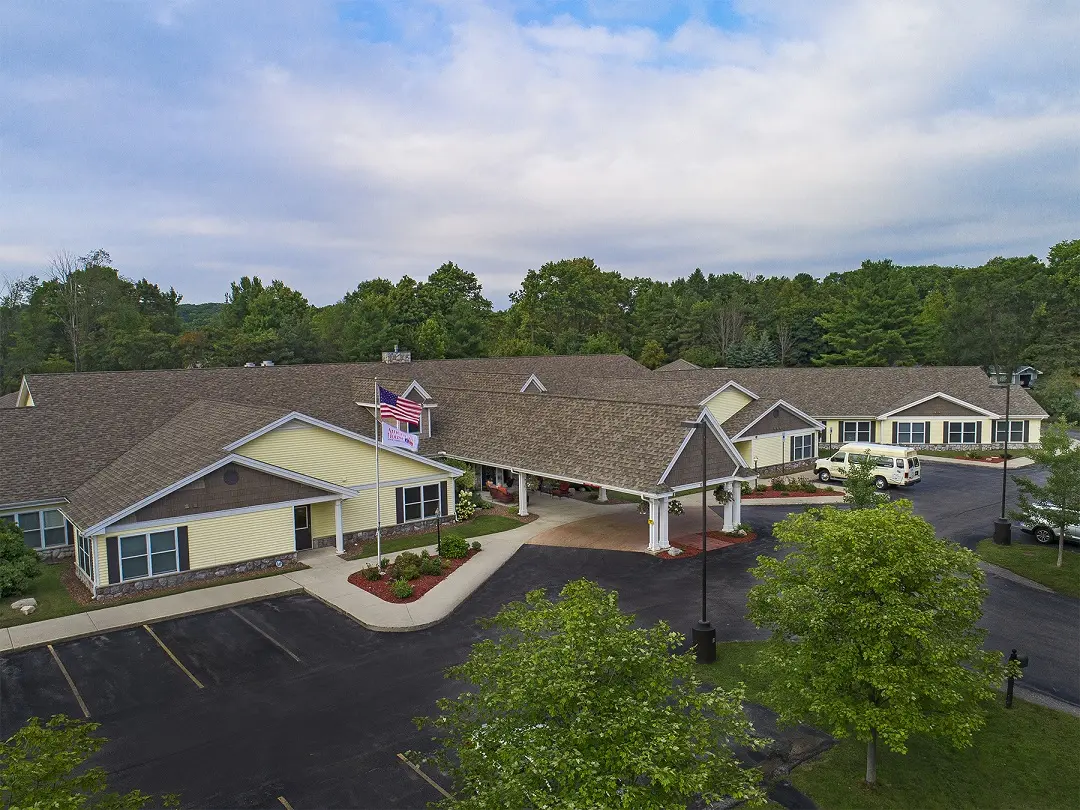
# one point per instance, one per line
(938, 406)
(331, 456)
(687, 468)
(232, 486)
(779, 420)
(727, 403)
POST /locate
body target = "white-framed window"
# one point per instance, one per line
(963, 432)
(422, 502)
(1015, 430)
(148, 555)
(409, 427)
(802, 447)
(911, 433)
(84, 556)
(856, 432)
(41, 528)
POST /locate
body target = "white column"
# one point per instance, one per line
(602, 495)
(654, 524)
(662, 535)
(729, 509)
(736, 503)
(337, 527)
(523, 495)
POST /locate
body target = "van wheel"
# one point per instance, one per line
(880, 484)
(1044, 535)
(823, 476)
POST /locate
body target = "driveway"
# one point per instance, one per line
(621, 528)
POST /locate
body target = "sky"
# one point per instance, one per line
(325, 143)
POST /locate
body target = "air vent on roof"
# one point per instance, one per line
(397, 356)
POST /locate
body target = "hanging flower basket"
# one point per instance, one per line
(675, 507)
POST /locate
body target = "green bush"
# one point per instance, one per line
(746, 488)
(675, 507)
(466, 507)
(384, 562)
(371, 573)
(408, 572)
(454, 546)
(808, 486)
(761, 488)
(780, 484)
(407, 558)
(401, 589)
(431, 566)
(475, 545)
(19, 564)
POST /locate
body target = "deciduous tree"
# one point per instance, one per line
(1057, 501)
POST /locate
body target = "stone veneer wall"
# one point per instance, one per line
(959, 448)
(397, 530)
(57, 553)
(136, 586)
(790, 468)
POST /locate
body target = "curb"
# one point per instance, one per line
(1012, 576)
(796, 501)
(1014, 463)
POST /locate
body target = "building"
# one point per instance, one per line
(152, 478)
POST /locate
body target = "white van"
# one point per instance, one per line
(893, 464)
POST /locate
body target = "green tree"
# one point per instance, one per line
(1056, 502)
(652, 355)
(41, 766)
(571, 705)
(873, 622)
(466, 482)
(19, 564)
(1056, 392)
(431, 340)
(860, 486)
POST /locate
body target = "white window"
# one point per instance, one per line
(856, 431)
(962, 432)
(43, 528)
(422, 502)
(85, 556)
(409, 427)
(146, 555)
(1015, 430)
(911, 433)
(802, 447)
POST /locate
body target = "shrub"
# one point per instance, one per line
(454, 546)
(407, 558)
(431, 566)
(780, 484)
(466, 506)
(675, 507)
(761, 488)
(721, 494)
(745, 528)
(384, 562)
(746, 488)
(808, 486)
(475, 545)
(371, 573)
(19, 563)
(401, 589)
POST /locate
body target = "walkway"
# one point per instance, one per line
(326, 579)
(621, 528)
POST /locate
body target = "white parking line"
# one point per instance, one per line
(267, 636)
(424, 776)
(70, 680)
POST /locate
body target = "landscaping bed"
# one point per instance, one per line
(769, 492)
(689, 549)
(987, 456)
(1037, 563)
(383, 587)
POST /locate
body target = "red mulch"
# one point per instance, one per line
(421, 585)
(774, 493)
(715, 540)
(987, 460)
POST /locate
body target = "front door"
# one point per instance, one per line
(302, 526)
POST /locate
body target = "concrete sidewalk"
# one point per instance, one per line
(1014, 463)
(326, 579)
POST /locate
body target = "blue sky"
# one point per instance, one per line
(324, 143)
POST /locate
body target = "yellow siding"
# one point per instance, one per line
(358, 514)
(768, 451)
(1034, 431)
(331, 457)
(727, 403)
(224, 540)
(745, 451)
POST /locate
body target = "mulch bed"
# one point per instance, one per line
(421, 585)
(776, 493)
(716, 540)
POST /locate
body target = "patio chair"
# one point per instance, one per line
(563, 491)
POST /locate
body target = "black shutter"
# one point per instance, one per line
(873, 431)
(895, 432)
(978, 432)
(945, 433)
(70, 532)
(112, 555)
(442, 498)
(182, 548)
(926, 433)
(1026, 423)
(399, 498)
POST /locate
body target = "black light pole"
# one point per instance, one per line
(438, 532)
(704, 634)
(1003, 526)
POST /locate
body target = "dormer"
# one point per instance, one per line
(727, 400)
(533, 386)
(416, 393)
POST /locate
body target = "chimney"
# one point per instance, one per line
(397, 356)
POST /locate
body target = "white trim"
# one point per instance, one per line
(801, 414)
(182, 520)
(725, 387)
(244, 461)
(418, 387)
(542, 474)
(400, 482)
(533, 380)
(799, 432)
(943, 395)
(26, 506)
(147, 554)
(25, 399)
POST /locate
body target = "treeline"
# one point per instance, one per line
(86, 316)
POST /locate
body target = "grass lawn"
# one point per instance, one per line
(477, 527)
(1037, 563)
(1024, 757)
(54, 600)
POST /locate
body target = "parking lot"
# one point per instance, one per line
(239, 682)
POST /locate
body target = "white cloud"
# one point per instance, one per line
(923, 130)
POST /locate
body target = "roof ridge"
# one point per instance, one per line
(550, 395)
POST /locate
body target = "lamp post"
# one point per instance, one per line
(438, 531)
(704, 634)
(1002, 525)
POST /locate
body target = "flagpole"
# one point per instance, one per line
(378, 482)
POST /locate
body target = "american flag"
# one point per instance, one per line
(391, 406)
